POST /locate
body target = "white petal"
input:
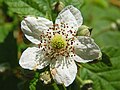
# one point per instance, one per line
(34, 39)
(70, 15)
(67, 17)
(33, 27)
(33, 58)
(76, 13)
(79, 59)
(64, 72)
(87, 49)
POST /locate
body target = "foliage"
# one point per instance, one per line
(102, 15)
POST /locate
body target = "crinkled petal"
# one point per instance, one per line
(75, 12)
(79, 59)
(66, 16)
(32, 27)
(87, 49)
(33, 58)
(64, 72)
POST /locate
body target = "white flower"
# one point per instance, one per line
(58, 45)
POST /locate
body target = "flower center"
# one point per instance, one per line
(58, 42)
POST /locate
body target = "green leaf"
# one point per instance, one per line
(103, 77)
(76, 3)
(99, 18)
(101, 3)
(27, 7)
(9, 50)
(108, 39)
(111, 51)
(106, 59)
(33, 82)
(55, 86)
(4, 31)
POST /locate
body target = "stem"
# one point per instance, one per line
(64, 87)
(79, 65)
(79, 80)
(58, 0)
(55, 86)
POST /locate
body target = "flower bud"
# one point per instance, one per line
(113, 26)
(45, 77)
(87, 82)
(87, 85)
(58, 6)
(84, 31)
(118, 21)
(118, 24)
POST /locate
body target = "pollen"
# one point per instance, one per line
(58, 42)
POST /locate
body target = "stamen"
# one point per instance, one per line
(55, 42)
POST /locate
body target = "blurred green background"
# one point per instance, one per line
(102, 15)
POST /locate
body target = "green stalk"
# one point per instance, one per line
(55, 86)
(79, 80)
(64, 87)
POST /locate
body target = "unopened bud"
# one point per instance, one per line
(45, 77)
(87, 85)
(84, 31)
(87, 81)
(4, 67)
(118, 24)
(58, 6)
(113, 26)
(118, 21)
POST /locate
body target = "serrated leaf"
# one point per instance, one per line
(111, 51)
(76, 3)
(103, 77)
(27, 7)
(34, 81)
